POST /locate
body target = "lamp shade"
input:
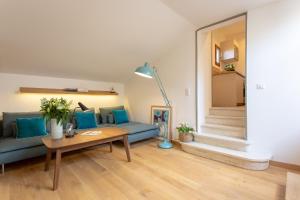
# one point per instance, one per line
(146, 71)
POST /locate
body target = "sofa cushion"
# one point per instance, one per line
(104, 112)
(12, 144)
(120, 116)
(110, 119)
(137, 127)
(10, 117)
(30, 127)
(85, 120)
(98, 126)
(72, 117)
(14, 129)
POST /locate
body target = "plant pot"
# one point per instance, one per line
(186, 137)
(56, 129)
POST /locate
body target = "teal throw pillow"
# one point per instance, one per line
(120, 116)
(85, 120)
(30, 127)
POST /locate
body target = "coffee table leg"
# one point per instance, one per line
(126, 145)
(48, 159)
(56, 169)
(110, 146)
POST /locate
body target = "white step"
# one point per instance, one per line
(225, 120)
(246, 160)
(232, 131)
(228, 111)
(222, 141)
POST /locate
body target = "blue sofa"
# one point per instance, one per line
(12, 149)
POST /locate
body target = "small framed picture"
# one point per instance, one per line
(217, 55)
(162, 116)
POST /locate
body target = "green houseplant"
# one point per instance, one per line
(185, 132)
(229, 67)
(57, 112)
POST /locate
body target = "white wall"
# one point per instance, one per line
(273, 113)
(273, 60)
(204, 76)
(13, 101)
(177, 72)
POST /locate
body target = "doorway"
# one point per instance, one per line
(228, 62)
(221, 74)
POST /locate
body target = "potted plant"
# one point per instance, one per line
(57, 112)
(229, 67)
(185, 132)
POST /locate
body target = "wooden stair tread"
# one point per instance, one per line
(225, 117)
(223, 126)
(242, 108)
(222, 137)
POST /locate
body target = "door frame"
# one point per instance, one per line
(245, 14)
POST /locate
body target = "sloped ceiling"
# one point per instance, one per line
(99, 39)
(87, 39)
(205, 12)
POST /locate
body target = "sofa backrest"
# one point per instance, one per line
(6, 125)
(106, 111)
(1, 128)
(10, 117)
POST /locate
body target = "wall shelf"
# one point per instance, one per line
(64, 91)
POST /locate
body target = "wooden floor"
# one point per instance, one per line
(153, 174)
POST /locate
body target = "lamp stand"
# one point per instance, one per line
(151, 72)
(165, 144)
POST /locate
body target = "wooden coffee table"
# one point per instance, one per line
(107, 135)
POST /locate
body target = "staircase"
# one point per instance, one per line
(223, 138)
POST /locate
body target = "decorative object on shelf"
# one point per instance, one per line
(82, 90)
(217, 55)
(57, 112)
(151, 72)
(185, 132)
(229, 67)
(71, 89)
(161, 116)
(65, 91)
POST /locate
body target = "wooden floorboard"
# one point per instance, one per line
(293, 186)
(154, 173)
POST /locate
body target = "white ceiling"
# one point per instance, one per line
(205, 12)
(99, 39)
(87, 39)
(232, 30)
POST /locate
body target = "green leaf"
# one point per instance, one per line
(55, 108)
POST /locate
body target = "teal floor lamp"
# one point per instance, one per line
(151, 72)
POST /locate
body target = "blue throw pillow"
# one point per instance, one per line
(85, 120)
(30, 127)
(120, 116)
